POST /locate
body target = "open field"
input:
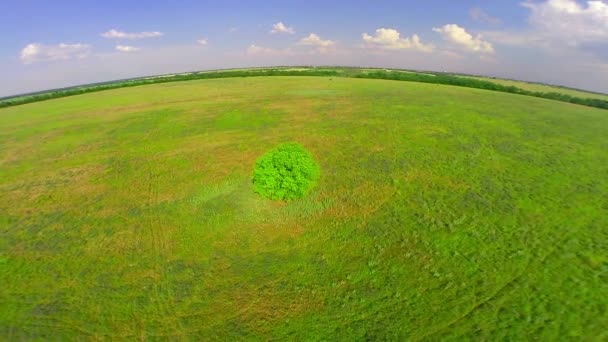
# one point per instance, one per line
(441, 213)
(538, 87)
(528, 89)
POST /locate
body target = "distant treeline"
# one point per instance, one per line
(439, 78)
(435, 78)
(53, 94)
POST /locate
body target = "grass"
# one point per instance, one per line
(442, 213)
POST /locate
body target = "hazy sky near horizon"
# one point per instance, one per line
(50, 44)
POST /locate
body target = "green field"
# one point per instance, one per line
(441, 213)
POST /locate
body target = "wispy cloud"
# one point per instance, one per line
(126, 48)
(460, 37)
(282, 28)
(254, 49)
(481, 16)
(36, 52)
(202, 41)
(515, 38)
(388, 38)
(115, 34)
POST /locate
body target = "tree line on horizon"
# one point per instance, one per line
(439, 78)
(434, 78)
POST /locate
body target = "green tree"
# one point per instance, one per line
(285, 173)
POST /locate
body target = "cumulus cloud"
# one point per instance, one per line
(313, 39)
(387, 38)
(126, 48)
(282, 28)
(36, 52)
(115, 34)
(459, 36)
(570, 20)
(202, 41)
(481, 16)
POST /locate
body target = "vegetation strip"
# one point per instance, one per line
(435, 78)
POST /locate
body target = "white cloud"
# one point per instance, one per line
(570, 21)
(36, 52)
(459, 36)
(124, 35)
(313, 39)
(126, 48)
(254, 49)
(202, 41)
(265, 52)
(560, 26)
(387, 38)
(282, 28)
(260, 50)
(481, 16)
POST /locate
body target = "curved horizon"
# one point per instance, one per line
(552, 42)
(42, 91)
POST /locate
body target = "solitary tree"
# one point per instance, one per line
(287, 172)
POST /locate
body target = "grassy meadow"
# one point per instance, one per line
(441, 213)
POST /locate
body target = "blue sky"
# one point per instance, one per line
(60, 43)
